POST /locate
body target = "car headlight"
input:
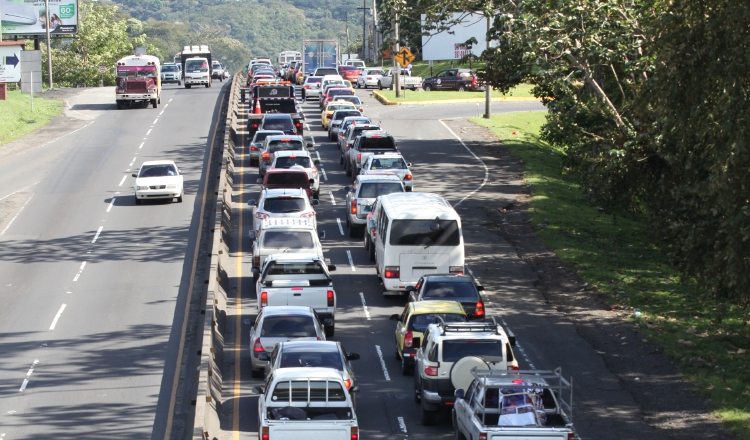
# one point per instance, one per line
(172, 186)
(141, 187)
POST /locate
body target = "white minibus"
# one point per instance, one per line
(417, 234)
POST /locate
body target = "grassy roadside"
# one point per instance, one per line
(17, 119)
(521, 92)
(708, 339)
(422, 68)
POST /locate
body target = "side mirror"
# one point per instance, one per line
(316, 162)
(315, 202)
(255, 270)
(331, 268)
(346, 188)
(135, 175)
(312, 181)
(310, 145)
(321, 234)
(251, 235)
(480, 287)
(352, 356)
(328, 322)
(258, 390)
(408, 164)
(395, 317)
(354, 390)
(458, 394)
(512, 341)
(252, 202)
(263, 356)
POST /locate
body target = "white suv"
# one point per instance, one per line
(282, 203)
(301, 159)
(447, 355)
(392, 162)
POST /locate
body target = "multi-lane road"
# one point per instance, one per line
(93, 287)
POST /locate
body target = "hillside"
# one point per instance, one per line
(264, 27)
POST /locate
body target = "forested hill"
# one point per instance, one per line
(264, 27)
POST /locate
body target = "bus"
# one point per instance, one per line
(289, 55)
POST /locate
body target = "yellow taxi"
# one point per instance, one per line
(348, 83)
(413, 321)
(325, 117)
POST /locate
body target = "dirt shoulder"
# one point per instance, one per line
(667, 402)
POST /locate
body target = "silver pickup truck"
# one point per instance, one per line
(298, 280)
(406, 81)
(503, 405)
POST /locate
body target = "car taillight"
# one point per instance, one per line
(266, 156)
(348, 383)
(329, 295)
(265, 436)
(374, 232)
(457, 269)
(307, 215)
(361, 109)
(369, 78)
(255, 125)
(354, 206)
(261, 215)
(298, 124)
(408, 339)
(253, 148)
(513, 367)
(407, 177)
(329, 114)
(307, 86)
(256, 261)
(480, 309)
(482, 436)
(354, 433)
(359, 157)
(263, 299)
(258, 347)
(392, 272)
(431, 371)
(571, 436)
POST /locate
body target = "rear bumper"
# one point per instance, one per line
(394, 286)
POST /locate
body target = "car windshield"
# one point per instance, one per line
(449, 289)
(288, 239)
(261, 136)
(330, 359)
(283, 205)
(157, 171)
(390, 163)
(290, 161)
(296, 268)
(419, 323)
(453, 350)
(370, 190)
(283, 124)
(341, 114)
(313, 80)
(169, 68)
(425, 233)
(284, 145)
(287, 178)
(196, 66)
(288, 326)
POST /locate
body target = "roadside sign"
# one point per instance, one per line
(102, 69)
(404, 57)
(430, 63)
(31, 71)
(10, 63)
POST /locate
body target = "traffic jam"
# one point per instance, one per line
(464, 363)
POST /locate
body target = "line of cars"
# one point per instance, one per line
(461, 360)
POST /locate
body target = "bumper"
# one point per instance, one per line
(354, 220)
(371, 83)
(170, 79)
(335, 129)
(136, 96)
(394, 286)
(258, 364)
(435, 398)
(158, 193)
(309, 93)
(203, 80)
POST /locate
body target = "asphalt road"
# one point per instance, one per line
(93, 287)
(430, 138)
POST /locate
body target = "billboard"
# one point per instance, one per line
(27, 17)
(445, 46)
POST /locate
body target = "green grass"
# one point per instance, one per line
(17, 119)
(522, 91)
(619, 259)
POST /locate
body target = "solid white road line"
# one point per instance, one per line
(17, 214)
(59, 312)
(123, 180)
(149, 131)
(486, 170)
(341, 229)
(80, 271)
(402, 424)
(333, 200)
(351, 262)
(382, 363)
(364, 305)
(111, 204)
(15, 192)
(98, 231)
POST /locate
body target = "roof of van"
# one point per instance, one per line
(416, 205)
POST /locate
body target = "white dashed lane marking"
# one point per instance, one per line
(341, 228)
(333, 200)
(98, 231)
(364, 305)
(80, 271)
(351, 261)
(123, 180)
(57, 317)
(382, 363)
(17, 214)
(111, 204)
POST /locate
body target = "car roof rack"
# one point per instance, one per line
(467, 326)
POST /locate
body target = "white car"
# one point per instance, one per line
(283, 203)
(291, 158)
(311, 87)
(158, 179)
(369, 78)
(392, 162)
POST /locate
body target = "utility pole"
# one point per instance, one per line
(49, 43)
(487, 87)
(364, 9)
(397, 76)
(348, 47)
(375, 30)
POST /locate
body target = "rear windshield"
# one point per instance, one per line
(357, 131)
(298, 268)
(330, 359)
(314, 391)
(314, 80)
(421, 233)
(341, 114)
(333, 93)
(449, 289)
(287, 179)
(278, 124)
(353, 99)
(391, 163)
(157, 171)
(347, 68)
(288, 162)
(377, 143)
(326, 71)
(285, 205)
(282, 145)
(288, 239)
(261, 136)
(370, 190)
(454, 350)
(419, 323)
(288, 326)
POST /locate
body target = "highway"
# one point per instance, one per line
(93, 287)
(431, 138)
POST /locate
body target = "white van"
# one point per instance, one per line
(417, 234)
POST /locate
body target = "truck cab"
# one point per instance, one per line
(196, 66)
(138, 81)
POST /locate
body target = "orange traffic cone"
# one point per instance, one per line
(257, 109)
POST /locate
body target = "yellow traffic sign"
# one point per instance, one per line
(404, 57)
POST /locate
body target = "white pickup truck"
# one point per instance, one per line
(503, 405)
(406, 81)
(298, 280)
(284, 235)
(306, 403)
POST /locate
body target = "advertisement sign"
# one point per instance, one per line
(450, 45)
(27, 17)
(10, 62)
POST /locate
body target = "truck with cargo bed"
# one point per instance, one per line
(273, 97)
(196, 66)
(406, 81)
(318, 54)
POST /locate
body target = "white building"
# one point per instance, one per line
(445, 46)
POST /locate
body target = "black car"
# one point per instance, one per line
(452, 79)
(279, 121)
(451, 287)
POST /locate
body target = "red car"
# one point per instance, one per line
(349, 72)
(288, 178)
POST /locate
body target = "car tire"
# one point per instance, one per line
(367, 241)
(380, 86)
(329, 330)
(406, 370)
(137, 200)
(179, 199)
(461, 88)
(353, 230)
(429, 418)
(187, 86)
(459, 436)
(371, 252)
(427, 88)
(347, 168)
(119, 105)
(154, 103)
(417, 387)
(395, 351)
(258, 374)
(341, 157)
(316, 195)
(179, 83)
